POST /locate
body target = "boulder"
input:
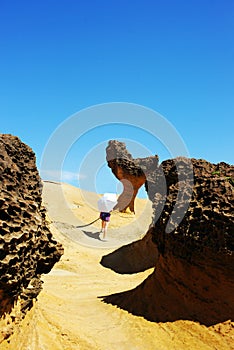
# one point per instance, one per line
(27, 248)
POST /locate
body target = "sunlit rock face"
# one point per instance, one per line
(130, 172)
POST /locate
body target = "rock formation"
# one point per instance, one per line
(193, 278)
(130, 172)
(27, 248)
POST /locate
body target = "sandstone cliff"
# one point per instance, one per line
(193, 277)
(27, 248)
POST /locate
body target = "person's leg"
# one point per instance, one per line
(106, 225)
(103, 225)
(104, 228)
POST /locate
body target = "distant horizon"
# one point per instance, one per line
(112, 184)
(139, 195)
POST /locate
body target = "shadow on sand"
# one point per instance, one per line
(94, 235)
(132, 258)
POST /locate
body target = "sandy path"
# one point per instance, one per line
(68, 207)
(70, 314)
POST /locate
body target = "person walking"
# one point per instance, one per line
(105, 217)
(105, 205)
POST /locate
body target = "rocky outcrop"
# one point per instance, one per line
(193, 277)
(27, 248)
(208, 221)
(130, 172)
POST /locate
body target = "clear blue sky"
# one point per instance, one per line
(175, 57)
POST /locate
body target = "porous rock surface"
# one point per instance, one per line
(27, 248)
(193, 277)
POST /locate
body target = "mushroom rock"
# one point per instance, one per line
(27, 248)
(130, 172)
(193, 277)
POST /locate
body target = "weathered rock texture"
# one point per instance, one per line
(130, 172)
(194, 276)
(27, 248)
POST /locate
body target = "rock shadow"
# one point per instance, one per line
(134, 257)
(165, 297)
(7, 304)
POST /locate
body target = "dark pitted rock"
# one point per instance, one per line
(208, 222)
(194, 275)
(27, 248)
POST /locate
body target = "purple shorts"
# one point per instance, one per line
(105, 216)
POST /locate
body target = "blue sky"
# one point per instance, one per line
(175, 57)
